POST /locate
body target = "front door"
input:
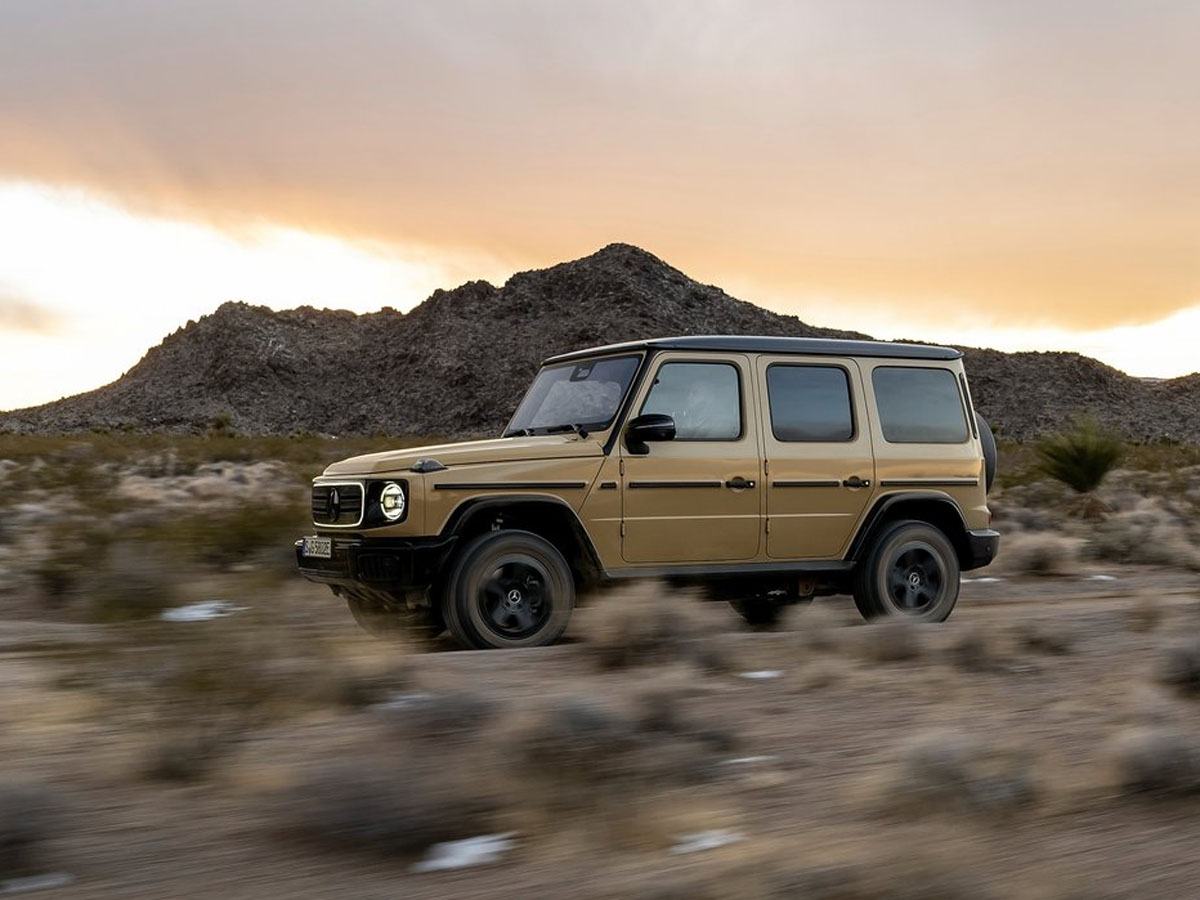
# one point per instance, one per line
(817, 443)
(697, 498)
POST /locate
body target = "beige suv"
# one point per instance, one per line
(766, 470)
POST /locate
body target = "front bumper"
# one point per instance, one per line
(982, 546)
(387, 564)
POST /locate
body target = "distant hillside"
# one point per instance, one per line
(458, 363)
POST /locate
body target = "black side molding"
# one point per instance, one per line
(512, 486)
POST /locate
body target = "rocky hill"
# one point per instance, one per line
(458, 363)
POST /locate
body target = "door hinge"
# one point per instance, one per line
(768, 521)
(622, 529)
(766, 467)
(621, 467)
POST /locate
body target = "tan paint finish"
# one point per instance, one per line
(680, 525)
(807, 518)
(665, 523)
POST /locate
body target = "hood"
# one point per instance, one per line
(512, 449)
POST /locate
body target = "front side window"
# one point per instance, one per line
(809, 403)
(572, 395)
(919, 405)
(704, 399)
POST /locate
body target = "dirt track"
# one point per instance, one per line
(819, 737)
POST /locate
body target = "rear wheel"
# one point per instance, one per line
(911, 572)
(509, 589)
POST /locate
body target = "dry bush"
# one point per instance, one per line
(1039, 553)
(134, 584)
(944, 770)
(1146, 613)
(1156, 761)
(384, 804)
(889, 640)
(971, 650)
(578, 756)
(1179, 667)
(442, 719)
(27, 822)
(647, 623)
(1150, 533)
(183, 758)
(1050, 637)
(818, 627)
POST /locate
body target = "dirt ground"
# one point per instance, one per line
(802, 782)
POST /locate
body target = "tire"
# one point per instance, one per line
(988, 440)
(910, 571)
(393, 620)
(509, 589)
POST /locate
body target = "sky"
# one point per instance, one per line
(1023, 175)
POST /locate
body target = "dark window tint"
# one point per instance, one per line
(809, 403)
(703, 398)
(919, 406)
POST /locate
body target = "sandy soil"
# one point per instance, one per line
(819, 738)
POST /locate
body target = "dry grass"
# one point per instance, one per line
(1039, 553)
(1179, 667)
(1054, 638)
(27, 823)
(1150, 533)
(1156, 761)
(889, 641)
(947, 771)
(646, 623)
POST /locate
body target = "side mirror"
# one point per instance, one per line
(650, 427)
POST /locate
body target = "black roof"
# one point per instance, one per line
(750, 344)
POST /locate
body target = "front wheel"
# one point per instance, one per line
(509, 589)
(911, 572)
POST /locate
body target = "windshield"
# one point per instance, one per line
(576, 395)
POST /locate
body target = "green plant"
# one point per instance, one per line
(1081, 456)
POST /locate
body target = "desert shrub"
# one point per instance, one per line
(444, 718)
(1148, 533)
(1081, 456)
(1040, 554)
(889, 640)
(358, 690)
(229, 536)
(1156, 761)
(27, 820)
(1052, 638)
(816, 626)
(971, 650)
(1179, 667)
(134, 584)
(182, 758)
(384, 805)
(1146, 613)
(942, 770)
(648, 623)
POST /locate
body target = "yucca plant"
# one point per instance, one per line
(1080, 458)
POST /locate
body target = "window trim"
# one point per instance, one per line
(854, 433)
(741, 394)
(957, 392)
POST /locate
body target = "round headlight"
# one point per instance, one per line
(391, 501)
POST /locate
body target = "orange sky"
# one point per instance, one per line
(971, 165)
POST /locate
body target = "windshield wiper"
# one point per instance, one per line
(558, 429)
(519, 432)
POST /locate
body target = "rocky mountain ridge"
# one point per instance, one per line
(457, 364)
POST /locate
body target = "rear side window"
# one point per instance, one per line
(705, 399)
(809, 403)
(919, 406)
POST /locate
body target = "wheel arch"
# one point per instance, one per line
(551, 518)
(936, 508)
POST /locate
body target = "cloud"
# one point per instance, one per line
(1032, 160)
(21, 315)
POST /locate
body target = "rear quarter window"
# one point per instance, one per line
(919, 405)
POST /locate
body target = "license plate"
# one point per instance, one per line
(317, 546)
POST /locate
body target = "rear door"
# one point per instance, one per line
(696, 498)
(820, 472)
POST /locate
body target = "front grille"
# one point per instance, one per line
(347, 510)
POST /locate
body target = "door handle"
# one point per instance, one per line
(855, 482)
(739, 483)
